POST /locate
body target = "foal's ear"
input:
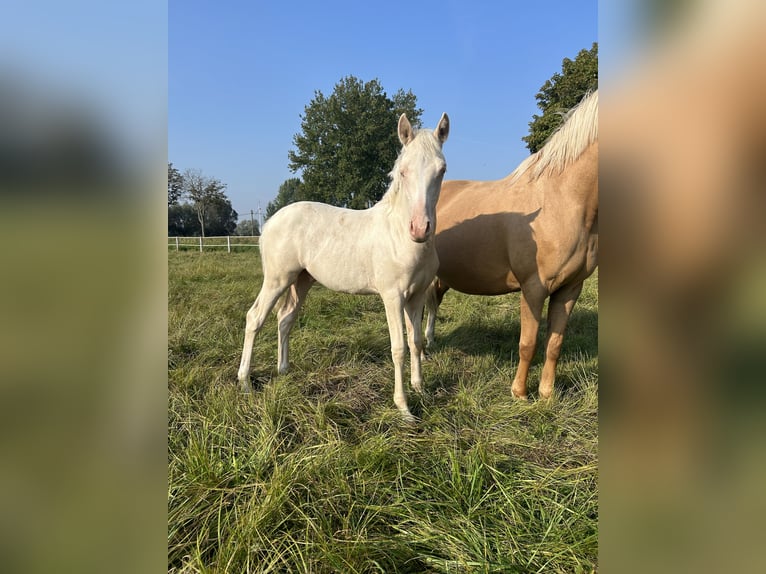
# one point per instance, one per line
(442, 130)
(405, 130)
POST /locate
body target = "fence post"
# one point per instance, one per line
(228, 244)
(176, 242)
(200, 244)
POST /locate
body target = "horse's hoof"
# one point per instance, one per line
(409, 418)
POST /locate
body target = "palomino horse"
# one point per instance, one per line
(535, 231)
(387, 249)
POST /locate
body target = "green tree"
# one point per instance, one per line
(247, 227)
(348, 142)
(207, 195)
(182, 220)
(561, 93)
(221, 217)
(175, 185)
(289, 192)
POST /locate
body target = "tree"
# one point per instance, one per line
(204, 192)
(247, 227)
(175, 185)
(221, 217)
(182, 220)
(561, 93)
(289, 192)
(348, 142)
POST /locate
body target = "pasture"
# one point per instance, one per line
(317, 471)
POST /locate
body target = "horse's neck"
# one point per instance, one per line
(574, 192)
(393, 209)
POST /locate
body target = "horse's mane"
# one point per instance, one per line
(572, 138)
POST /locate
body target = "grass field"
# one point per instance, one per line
(315, 472)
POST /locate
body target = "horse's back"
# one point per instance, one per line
(300, 211)
(333, 244)
(290, 231)
(286, 222)
(305, 222)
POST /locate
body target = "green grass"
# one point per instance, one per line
(315, 472)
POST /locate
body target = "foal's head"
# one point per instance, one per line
(419, 171)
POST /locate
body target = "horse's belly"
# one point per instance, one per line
(344, 280)
(474, 280)
(342, 287)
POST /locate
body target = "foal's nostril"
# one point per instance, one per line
(420, 229)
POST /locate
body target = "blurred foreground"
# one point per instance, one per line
(683, 282)
(82, 296)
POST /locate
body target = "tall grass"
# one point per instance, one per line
(315, 472)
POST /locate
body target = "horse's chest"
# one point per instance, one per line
(421, 276)
(412, 274)
(572, 265)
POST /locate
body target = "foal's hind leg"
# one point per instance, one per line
(287, 314)
(256, 316)
(434, 295)
(559, 309)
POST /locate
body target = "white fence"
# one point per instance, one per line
(218, 242)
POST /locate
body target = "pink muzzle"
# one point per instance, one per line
(420, 228)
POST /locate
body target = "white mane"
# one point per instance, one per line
(564, 146)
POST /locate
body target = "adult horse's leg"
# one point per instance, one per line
(287, 314)
(434, 295)
(559, 309)
(413, 320)
(532, 299)
(393, 304)
(270, 291)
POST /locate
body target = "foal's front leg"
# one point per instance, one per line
(394, 304)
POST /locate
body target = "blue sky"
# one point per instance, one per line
(241, 73)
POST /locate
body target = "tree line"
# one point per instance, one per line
(347, 144)
(198, 206)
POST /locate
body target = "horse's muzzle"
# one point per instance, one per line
(420, 230)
